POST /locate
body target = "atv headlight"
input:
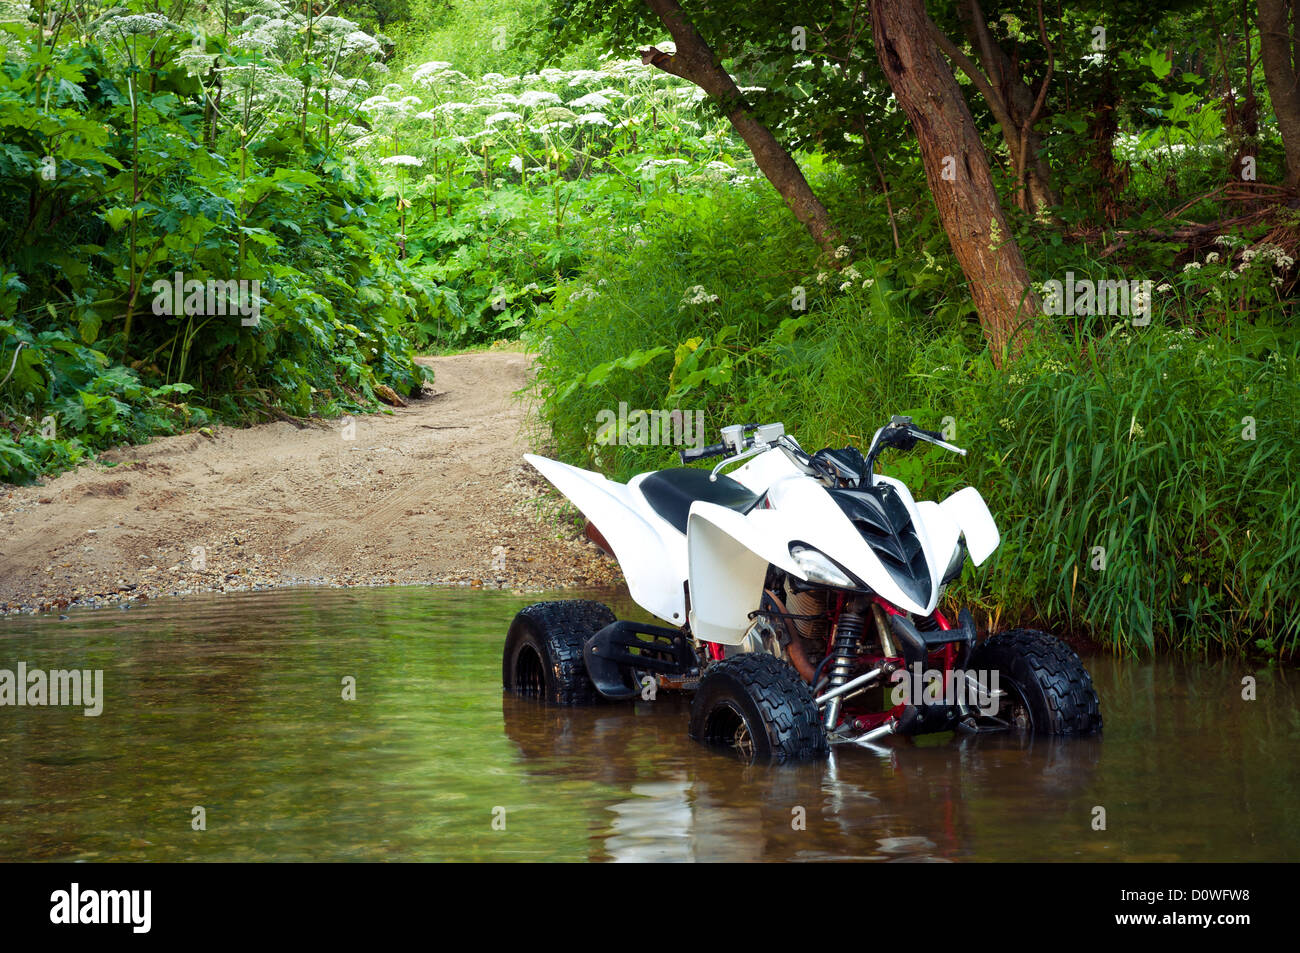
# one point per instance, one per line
(818, 566)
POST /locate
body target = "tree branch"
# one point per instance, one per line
(963, 62)
(1023, 160)
(653, 56)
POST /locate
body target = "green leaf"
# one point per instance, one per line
(115, 218)
(630, 362)
(1159, 63)
(88, 327)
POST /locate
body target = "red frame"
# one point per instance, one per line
(945, 658)
(866, 720)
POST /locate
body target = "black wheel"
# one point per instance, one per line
(759, 708)
(543, 652)
(1048, 691)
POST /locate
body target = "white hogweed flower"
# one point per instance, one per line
(696, 294)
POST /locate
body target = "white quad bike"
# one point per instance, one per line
(801, 598)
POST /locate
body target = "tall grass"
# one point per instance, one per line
(1134, 502)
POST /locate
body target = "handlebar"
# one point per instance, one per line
(712, 450)
(900, 433)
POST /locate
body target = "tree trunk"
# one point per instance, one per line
(696, 63)
(1111, 177)
(1279, 45)
(957, 171)
(1241, 122)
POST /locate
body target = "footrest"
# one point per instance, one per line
(917, 644)
(621, 648)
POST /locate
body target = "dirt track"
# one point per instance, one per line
(434, 492)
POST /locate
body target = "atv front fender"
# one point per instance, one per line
(726, 574)
(968, 510)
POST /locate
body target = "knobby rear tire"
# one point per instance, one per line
(543, 659)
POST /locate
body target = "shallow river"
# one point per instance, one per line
(234, 704)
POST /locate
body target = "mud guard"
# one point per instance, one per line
(653, 564)
(728, 555)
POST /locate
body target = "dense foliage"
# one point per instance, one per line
(1171, 449)
(136, 147)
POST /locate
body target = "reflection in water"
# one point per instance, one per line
(905, 802)
(234, 704)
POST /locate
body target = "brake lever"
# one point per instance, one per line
(923, 435)
(713, 476)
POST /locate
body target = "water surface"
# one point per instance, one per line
(234, 704)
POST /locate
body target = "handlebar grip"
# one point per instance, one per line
(712, 450)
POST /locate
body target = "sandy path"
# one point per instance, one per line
(434, 492)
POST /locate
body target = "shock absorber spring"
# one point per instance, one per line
(847, 646)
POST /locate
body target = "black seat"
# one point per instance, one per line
(670, 493)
